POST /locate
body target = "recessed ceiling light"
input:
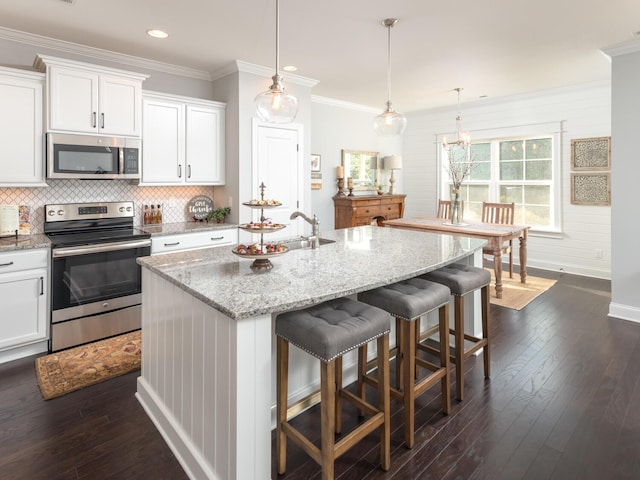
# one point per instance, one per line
(155, 33)
(290, 68)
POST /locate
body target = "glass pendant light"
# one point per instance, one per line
(275, 105)
(389, 122)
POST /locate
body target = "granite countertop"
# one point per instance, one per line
(24, 242)
(185, 227)
(361, 258)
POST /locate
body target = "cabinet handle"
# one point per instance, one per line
(6, 264)
(102, 120)
(213, 239)
(41, 286)
(171, 244)
(179, 171)
(189, 171)
(93, 121)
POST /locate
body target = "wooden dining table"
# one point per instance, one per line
(495, 234)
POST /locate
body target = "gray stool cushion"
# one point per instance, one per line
(408, 299)
(332, 328)
(461, 279)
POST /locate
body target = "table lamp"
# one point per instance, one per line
(392, 162)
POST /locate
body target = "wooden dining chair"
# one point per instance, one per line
(444, 209)
(502, 213)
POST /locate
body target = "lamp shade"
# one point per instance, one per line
(276, 105)
(393, 162)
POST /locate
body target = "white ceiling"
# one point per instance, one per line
(493, 47)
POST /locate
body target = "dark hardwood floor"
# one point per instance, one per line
(563, 402)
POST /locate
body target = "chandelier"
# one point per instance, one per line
(389, 122)
(463, 139)
(275, 105)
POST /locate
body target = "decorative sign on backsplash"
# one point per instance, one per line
(199, 207)
(24, 223)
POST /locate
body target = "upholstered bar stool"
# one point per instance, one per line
(461, 280)
(327, 331)
(407, 301)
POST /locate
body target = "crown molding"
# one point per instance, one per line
(631, 46)
(332, 102)
(100, 54)
(246, 67)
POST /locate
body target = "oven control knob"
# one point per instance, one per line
(121, 209)
(129, 209)
(60, 212)
(51, 213)
(105, 305)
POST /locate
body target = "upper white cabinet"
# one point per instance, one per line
(86, 98)
(22, 159)
(183, 140)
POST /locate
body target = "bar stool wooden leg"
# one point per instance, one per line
(361, 387)
(399, 355)
(443, 320)
(408, 375)
(327, 418)
(485, 330)
(458, 302)
(282, 381)
(384, 401)
(338, 401)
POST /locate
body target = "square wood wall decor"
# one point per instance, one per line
(591, 153)
(591, 188)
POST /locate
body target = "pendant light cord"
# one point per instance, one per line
(389, 63)
(277, 36)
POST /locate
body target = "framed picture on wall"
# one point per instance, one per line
(591, 188)
(591, 153)
(315, 162)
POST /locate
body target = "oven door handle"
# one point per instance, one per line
(100, 248)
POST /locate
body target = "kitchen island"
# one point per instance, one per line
(207, 334)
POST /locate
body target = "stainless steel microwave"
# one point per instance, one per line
(92, 157)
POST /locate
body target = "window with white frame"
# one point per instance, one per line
(522, 170)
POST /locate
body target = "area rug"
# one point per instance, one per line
(518, 295)
(70, 370)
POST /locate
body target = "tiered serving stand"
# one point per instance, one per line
(261, 259)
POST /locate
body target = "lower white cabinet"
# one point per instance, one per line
(23, 298)
(193, 240)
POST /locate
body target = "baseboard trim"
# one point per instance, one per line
(624, 312)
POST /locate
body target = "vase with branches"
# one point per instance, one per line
(459, 167)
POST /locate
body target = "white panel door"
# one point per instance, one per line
(74, 100)
(163, 142)
(278, 164)
(204, 145)
(119, 106)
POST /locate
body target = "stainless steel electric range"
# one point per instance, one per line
(95, 280)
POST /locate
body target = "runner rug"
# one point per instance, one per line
(69, 370)
(518, 295)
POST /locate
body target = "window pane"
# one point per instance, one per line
(537, 194)
(511, 171)
(478, 193)
(480, 171)
(511, 150)
(537, 215)
(538, 148)
(511, 193)
(538, 170)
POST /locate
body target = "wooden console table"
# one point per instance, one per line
(359, 210)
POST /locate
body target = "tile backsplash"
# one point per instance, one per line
(173, 199)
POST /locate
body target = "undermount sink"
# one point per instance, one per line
(299, 243)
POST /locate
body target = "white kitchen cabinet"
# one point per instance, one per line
(183, 141)
(86, 98)
(21, 124)
(193, 240)
(23, 299)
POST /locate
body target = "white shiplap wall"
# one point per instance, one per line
(584, 110)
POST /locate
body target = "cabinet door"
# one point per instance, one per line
(119, 101)
(204, 145)
(73, 103)
(163, 142)
(24, 308)
(22, 161)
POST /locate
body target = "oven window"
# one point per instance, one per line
(82, 279)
